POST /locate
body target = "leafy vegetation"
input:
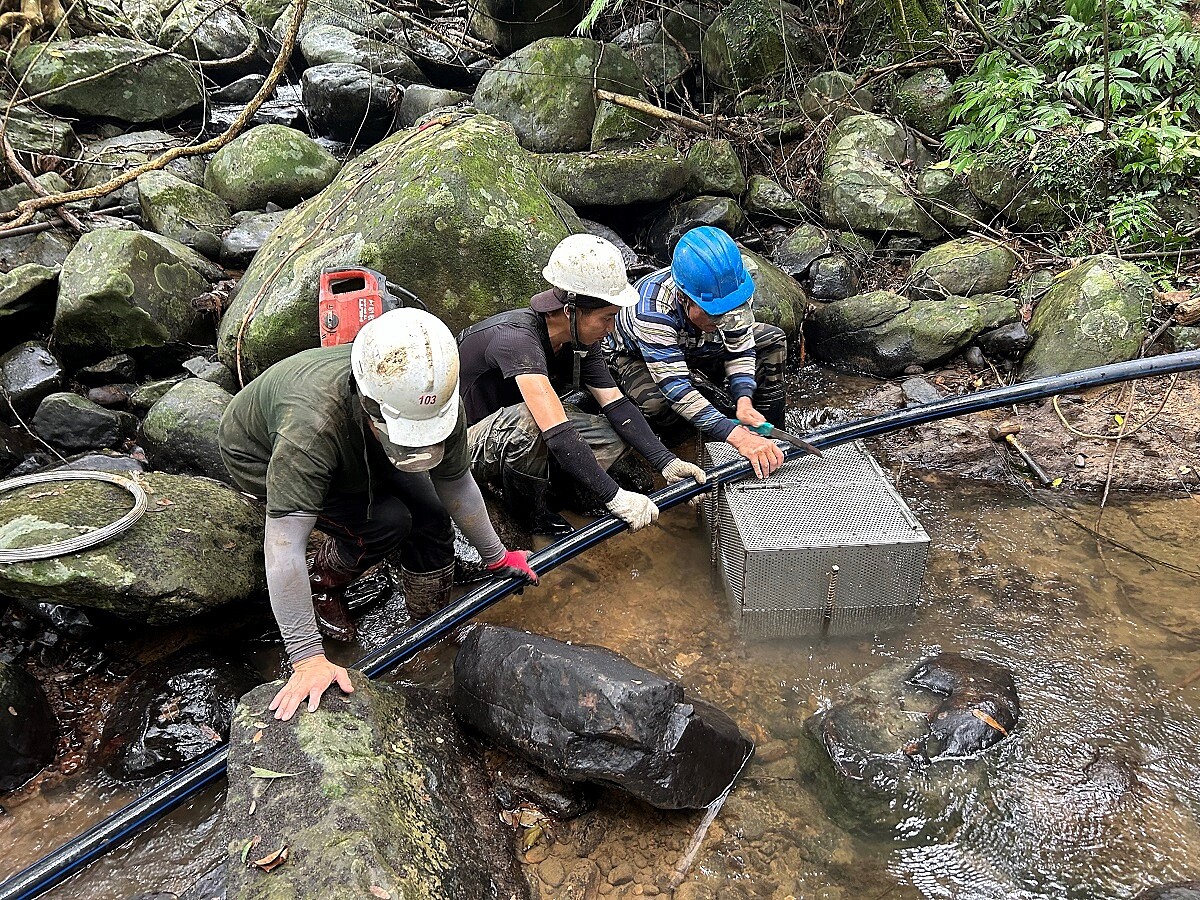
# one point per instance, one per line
(1097, 102)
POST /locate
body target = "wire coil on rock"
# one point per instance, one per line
(82, 541)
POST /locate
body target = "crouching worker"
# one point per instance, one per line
(694, 319)
(368, 442)
(517, 364)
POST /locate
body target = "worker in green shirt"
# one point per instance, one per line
(366, 441)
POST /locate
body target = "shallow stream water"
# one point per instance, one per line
(1095, 795)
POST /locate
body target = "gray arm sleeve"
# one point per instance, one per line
(284, 544)
(464, 502)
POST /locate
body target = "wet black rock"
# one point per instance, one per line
(118, 463)
(515, 782)
(665, 231)
(980, 706)
(1006, 342)
(878, 753)
(586, 713)
(628, 254)
(349, 103)
(28, 373)
(243, 240)
(28, 729)
(421, 99)
(111, 396)
(172, 712)
(71, 422)
(116, 369)
(240, 91)
(833, 278)
(917, 391)
(1182, 890)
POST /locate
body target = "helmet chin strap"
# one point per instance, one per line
(578, 351)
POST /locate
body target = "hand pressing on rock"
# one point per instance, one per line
(310, 678)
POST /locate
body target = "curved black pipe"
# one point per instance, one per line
(114, 830)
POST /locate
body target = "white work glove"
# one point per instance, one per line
(678, 470)
(637, 510)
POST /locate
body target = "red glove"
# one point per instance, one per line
(514, 564)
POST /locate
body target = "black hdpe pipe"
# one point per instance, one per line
(123, 824)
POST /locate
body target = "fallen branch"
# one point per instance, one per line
(14, 163)
(651, 110)
(876, 73)
(27, 209)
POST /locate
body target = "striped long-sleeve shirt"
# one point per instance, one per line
(657, 330)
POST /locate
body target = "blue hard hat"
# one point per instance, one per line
(708, 267)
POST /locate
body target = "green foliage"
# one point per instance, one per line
(917, 24)
(1036, 97)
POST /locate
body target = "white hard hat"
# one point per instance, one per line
(407, 361)
(590, 265)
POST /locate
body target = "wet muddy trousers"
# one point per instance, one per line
(426, 592)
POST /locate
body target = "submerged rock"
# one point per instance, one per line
(453, 213)
(1092, 315)
(172, 712)
(555, 114)
(180, 431)
(122, 69)
(28, 729)
(585, 713)
(383, 799)
(198, 547)
(1180, 890)
(269, 164)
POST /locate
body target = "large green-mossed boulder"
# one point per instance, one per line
(198, 547)
(962, 267)
(270, 163)
(1094, 314)
(136, 82)
(454, 213)
(547, 90)
(751, 40)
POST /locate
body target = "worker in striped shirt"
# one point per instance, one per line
(693, 329)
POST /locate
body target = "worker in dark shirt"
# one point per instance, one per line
(515, 367)
(366, 441)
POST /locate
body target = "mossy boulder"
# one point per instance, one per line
(71, 423)
(883, 333)
(614, 177)
(751, 40)
(122, 291)
(270, 163)
(716, 168)
(924, 100)
(778, 298)
(659, 57)
(768, 199)
(334, 44)
(1094, 314)
(833, 95)
(864, 184)
(384, 799)
(105, 159)
(509, 25)
(962, 267)
(180, 431)
(198, 547)
(617, 127)
(136, 82)
(209, 30)
(24, 286)
(800, 248)
(183, 211)
(1018, 196)
(454, 213)
(547, 90)
(32, 131)
(352, 14)
(947, 198)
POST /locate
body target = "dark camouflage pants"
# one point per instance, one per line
(510, 437)
(770, 353)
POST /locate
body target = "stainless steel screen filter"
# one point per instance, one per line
(823, 546)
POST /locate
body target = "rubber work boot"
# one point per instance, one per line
(329, 577)
(426, 592)
(525, 497)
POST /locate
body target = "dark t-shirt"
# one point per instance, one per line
(296, 434)
(494, 352)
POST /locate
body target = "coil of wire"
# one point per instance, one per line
(87, 539)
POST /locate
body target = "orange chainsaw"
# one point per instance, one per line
(351, 297)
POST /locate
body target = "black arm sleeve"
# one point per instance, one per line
(627, 420)
(577, 458)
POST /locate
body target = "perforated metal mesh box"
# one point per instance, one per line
(823, 546)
